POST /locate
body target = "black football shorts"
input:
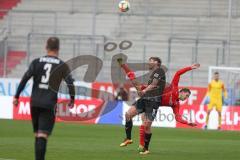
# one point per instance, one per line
(43, 119)
(148, 107)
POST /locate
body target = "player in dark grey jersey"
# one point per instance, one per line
(149, 102)
(47, 72)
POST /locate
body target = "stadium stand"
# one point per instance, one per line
(179, 32)
(13, 59)
(6, 5)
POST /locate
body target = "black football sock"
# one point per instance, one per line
(147, 139)
(40, 148)
(128, 129)
(35, 147)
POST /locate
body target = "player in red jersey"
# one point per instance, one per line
(171, 97)
(172, 94)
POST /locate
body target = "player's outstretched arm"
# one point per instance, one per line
(130, 74)
(177, 75)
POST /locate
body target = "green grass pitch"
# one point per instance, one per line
(101, 142)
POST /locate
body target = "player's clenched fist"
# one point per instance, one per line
(195, 66)
(15, 101)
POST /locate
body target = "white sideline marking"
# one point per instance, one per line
(6, 159)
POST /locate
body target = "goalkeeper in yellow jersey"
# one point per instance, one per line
(216, 90)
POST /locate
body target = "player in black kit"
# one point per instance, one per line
(149, 102)
(47, 72)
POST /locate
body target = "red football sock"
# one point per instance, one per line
(141, 135)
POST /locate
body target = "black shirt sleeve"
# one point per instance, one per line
(69, 81)
(28, 74)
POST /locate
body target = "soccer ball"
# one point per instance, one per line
(124, 6)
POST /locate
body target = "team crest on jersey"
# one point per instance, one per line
(156, 75)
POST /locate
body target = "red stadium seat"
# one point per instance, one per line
(7, 5)
(13, 59)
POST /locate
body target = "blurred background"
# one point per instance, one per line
(180, 32)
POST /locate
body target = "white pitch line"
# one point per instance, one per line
(6, 159)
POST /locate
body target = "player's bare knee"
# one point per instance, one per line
(42, 135)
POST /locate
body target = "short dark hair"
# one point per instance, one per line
(156, 59)
(216, 72)
(185, 90)
(53, 43)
